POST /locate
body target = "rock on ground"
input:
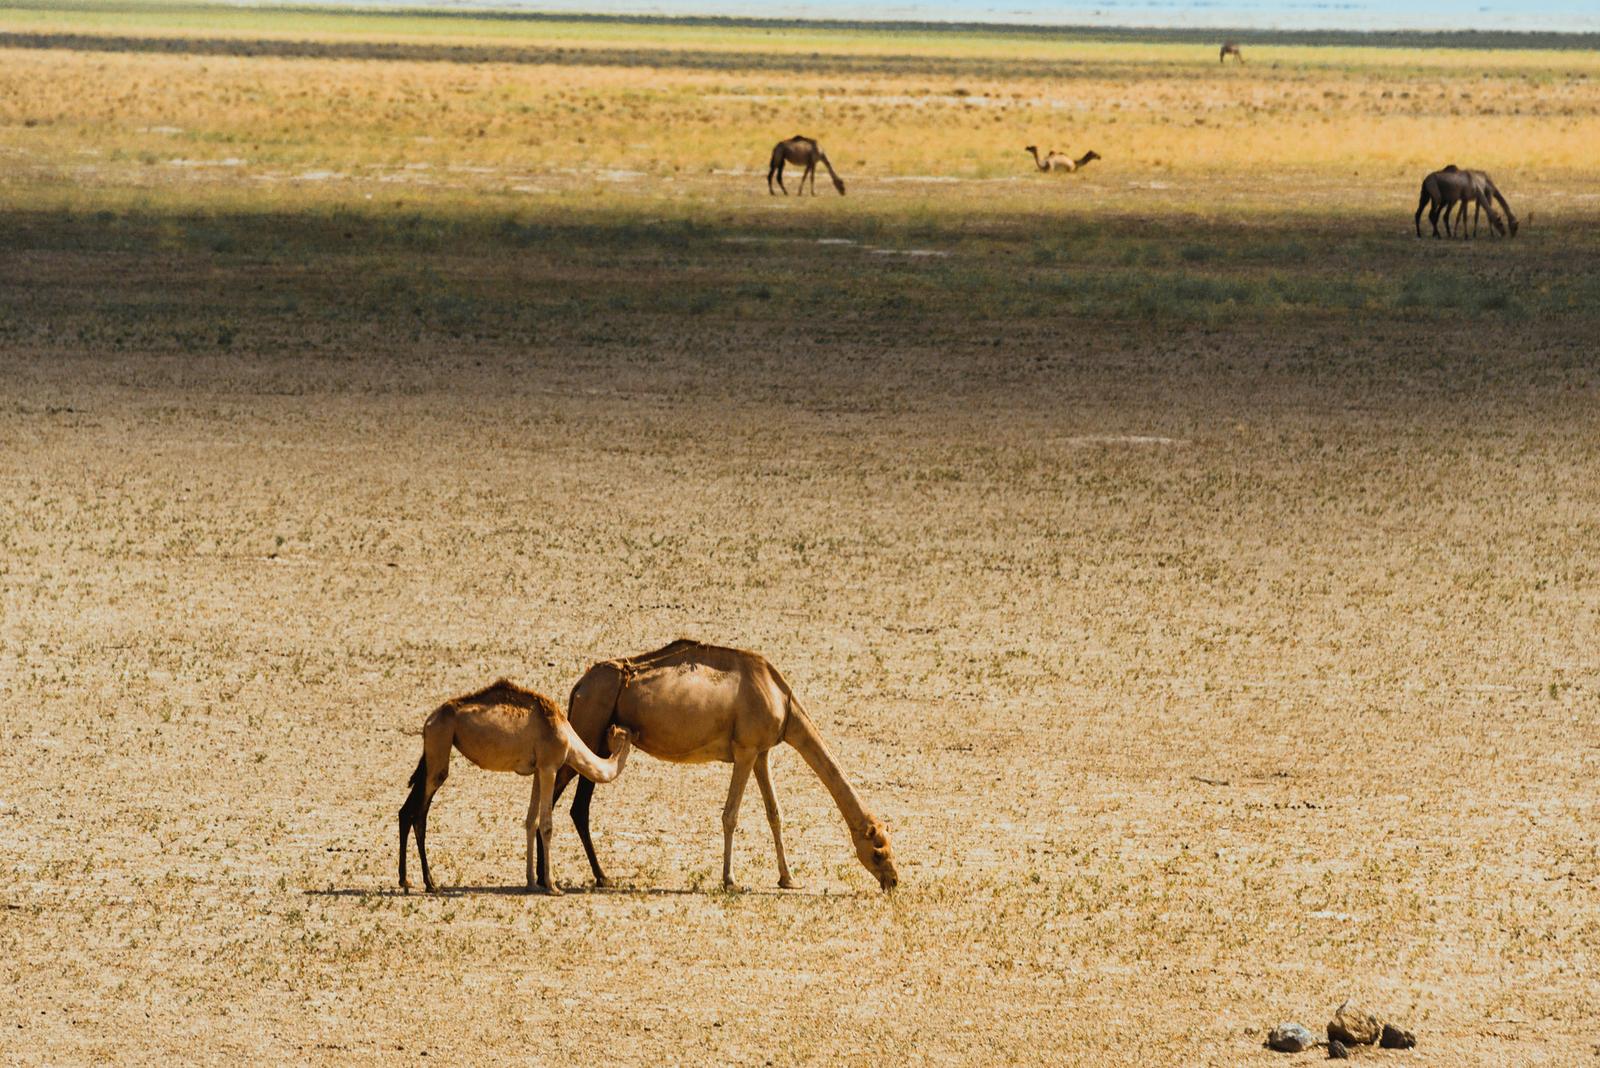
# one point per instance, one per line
(1395, 1038)
(1354, 1026)
(1290, 1038)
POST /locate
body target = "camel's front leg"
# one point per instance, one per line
(774, 818)
(540, 822)
(743, 761)
(811, 172)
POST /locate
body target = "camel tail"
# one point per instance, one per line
(1422, 205)
(582, 759)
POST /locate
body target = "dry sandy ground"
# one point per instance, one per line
(1204, 679)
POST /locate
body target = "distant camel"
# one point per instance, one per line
(1483, 189)
(503, 728)
(1230, 49)
(1442, 191)
(691, 703)
(1060, 161)
(800, 150)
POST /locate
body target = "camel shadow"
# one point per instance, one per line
(508, 890)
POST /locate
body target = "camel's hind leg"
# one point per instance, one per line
(580, 819)
(744, 761)
(432, 770)
(774, 819)
(811, 172)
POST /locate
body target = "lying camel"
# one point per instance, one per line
(691, 703)
(800, 150)
(1230, 49)
(504, 728)
(1060, 161)
(1483, 188)
(1443, 190)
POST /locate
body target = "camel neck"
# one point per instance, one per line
(803, 736)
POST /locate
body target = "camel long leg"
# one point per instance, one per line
(774, 819)
(811, 172)
(438, 734)
(539, 824)
(580, 820)
(743, 762)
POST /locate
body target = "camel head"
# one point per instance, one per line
(1513, 224)
(1033, 149)
(1089, 155)
(618, 739)
(872, 848)
(838, 184)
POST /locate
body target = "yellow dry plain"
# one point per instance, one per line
(1195, 571)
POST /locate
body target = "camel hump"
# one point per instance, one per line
(1450, 168)
(803, 137)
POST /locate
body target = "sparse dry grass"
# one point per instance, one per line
(1200, 587)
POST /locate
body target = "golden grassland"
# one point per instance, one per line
(1192, 568)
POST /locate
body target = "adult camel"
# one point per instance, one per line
(1442, 191)
(1230, 49)
(692, 703)
(801, 151)
(504, 727)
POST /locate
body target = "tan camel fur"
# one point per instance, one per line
(801, 151)
(1060, 161)
(691, 703)
(1230, 49)
(504, 728)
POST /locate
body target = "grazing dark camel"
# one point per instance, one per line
(1230, 49)
(691, 703)
(503, 728)
(1441, 192)
(800, 150)
(1444, 190)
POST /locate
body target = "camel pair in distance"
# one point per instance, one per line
(1060, 161)
(1447, 189)
(687, 703)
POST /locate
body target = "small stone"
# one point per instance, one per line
(1394, 1038)
(1354, 1026)
(1290, 1038)
(1337, 1050)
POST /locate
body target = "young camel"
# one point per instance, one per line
(1060, 161)
(800, 150)
(1230, 49)
(504, 728)
(691, 703)
(1483, 188)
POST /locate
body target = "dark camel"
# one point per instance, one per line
(1230, 49)
(800, 150)
(691, 703)
(1444, 190)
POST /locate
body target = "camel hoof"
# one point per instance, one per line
(553, 890)
(787, 883)
(731, 887)
(603, 883)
